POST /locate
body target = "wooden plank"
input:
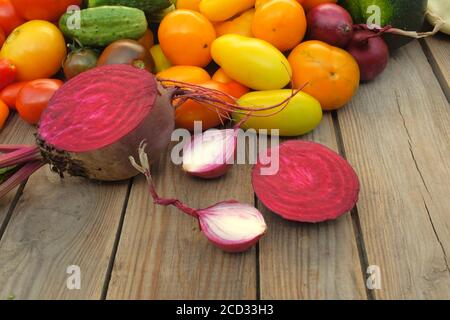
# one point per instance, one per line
(437, 49)
(396, 133)
(162, 254)
(15, 131)
(58, 223)
(306, 261)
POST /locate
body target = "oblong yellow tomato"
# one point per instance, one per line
(161, 61)
(240, 25)
(253, 62)
(220, 10)
(37, 48)
(302, 114)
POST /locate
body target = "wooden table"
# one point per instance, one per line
(395, 132)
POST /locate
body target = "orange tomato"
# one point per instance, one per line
(148, 40)
(332, 74)
(34, 97)
(240, 25)
(309, 4)
(4, 113)
(235, 89)
(192, 111)
(185, 37)
(281, 23)
(9, 94)
(188, 74)
(188, 4)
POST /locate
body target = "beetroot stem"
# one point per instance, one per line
(144, 168)
(19, 176)
(19, 156)
(5, 148)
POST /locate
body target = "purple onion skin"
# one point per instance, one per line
(330, 23)
(371, 54)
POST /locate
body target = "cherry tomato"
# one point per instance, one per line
(185, 37)
(78, 61)
(34, 97)
(50, 10)
(9, 18)
(192, 111)
(127, 52)
(7, 73)
(236, 89)
(9, 94)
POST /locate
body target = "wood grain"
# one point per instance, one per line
(437, 49)
(311, 261)
(163, 255)
(58, 223)
(15, 131)
(396, 133)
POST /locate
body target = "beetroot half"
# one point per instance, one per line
(313, 183)
(96, 120)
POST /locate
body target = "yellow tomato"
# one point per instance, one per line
(220, 10)
(189, 74)
(253, 62)
(188, 4)
(37, 48)
(161, 61)
(240, 25)
(302, 114)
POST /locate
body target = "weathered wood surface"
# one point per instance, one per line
(395, 133)
(55, 224)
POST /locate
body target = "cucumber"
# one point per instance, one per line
(103, 25)
(403, 14)
(148, 6)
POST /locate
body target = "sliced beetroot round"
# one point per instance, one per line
(96, 120)
(313, 183)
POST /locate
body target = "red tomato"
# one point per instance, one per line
(50, 10)
(34, 98)
(9, 94)
(236, 89)
(192, 111)
(7, 73)
(9, 18)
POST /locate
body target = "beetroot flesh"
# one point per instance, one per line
(313, 184)
(97, 119)
(330, 23)
(371, 52)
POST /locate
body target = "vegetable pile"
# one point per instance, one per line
(99, 77)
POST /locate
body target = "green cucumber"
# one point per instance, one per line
(148, 6)
(104, 25)
(403, 14)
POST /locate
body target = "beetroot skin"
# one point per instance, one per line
(330, 23)
(313, 184)
(97, 119)
(371, 52)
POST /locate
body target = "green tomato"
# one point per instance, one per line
(253, 62)
(302, 114)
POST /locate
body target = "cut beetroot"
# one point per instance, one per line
(313, 183)
(96, 120)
